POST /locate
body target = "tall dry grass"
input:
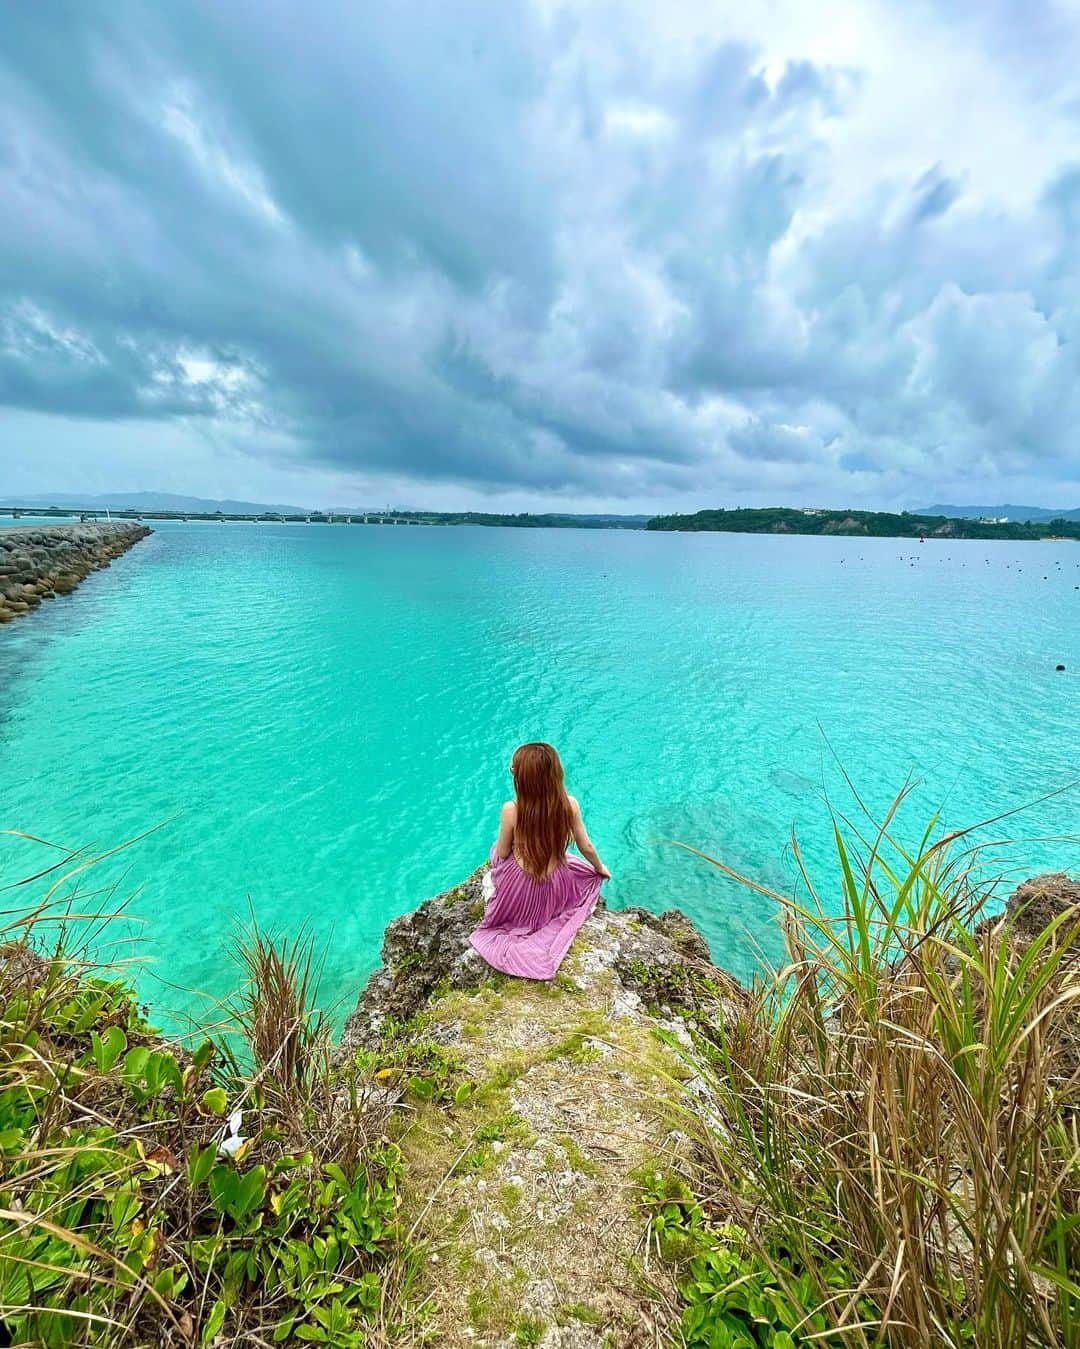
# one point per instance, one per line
(901, 1102)
(276, 1008)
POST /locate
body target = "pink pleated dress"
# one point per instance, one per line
(528, 925)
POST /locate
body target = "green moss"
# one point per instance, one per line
(577, 1311)
(495, 1304)
(439, 991)
(428, 1070)
(509, 1199)
(561, 986)
(463, 1261)
(529, 1330)
(488, 1098)
(509, 1069)
(394, 1029)
(478, 1303)
(574, 1155)
(458, 1139)
(574, 1048)
(470, 1004)
(508, 1125)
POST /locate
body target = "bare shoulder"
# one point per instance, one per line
(573, 804)
(509, 811)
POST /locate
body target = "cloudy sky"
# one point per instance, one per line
(513, 255)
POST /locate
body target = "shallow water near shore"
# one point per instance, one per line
(321, 718)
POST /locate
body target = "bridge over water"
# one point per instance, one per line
(267, 517)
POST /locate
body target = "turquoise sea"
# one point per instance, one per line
(321, 718)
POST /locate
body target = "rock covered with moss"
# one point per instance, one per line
(657, 961)
(536, 1118)
(1038, 902)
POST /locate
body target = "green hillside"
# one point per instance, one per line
(861, 524)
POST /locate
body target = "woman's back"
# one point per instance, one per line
(542, 894)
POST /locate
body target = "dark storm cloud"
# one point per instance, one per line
(506, 246)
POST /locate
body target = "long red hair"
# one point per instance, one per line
(544, 818)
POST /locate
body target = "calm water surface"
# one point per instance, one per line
(322, 716)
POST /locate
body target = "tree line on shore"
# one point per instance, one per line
(867, 524)
(863, 524)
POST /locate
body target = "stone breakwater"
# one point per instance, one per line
(40, 563)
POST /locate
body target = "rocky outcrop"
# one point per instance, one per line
(656, 961)
(39, 563)
(1036, 903)
(526, 1182)
(534, 1117)
(848, 525)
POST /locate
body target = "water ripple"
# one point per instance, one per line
(325, 715)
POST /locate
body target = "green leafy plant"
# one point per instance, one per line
(132, 1208)
(738, 1297)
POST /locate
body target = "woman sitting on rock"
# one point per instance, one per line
(541, 895)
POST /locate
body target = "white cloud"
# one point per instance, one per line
(180, 119)
(667, 256)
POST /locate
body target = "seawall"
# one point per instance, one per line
(40, 562)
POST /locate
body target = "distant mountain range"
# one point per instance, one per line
(155, 501)
(996, 512)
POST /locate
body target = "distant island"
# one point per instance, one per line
(864, 524)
